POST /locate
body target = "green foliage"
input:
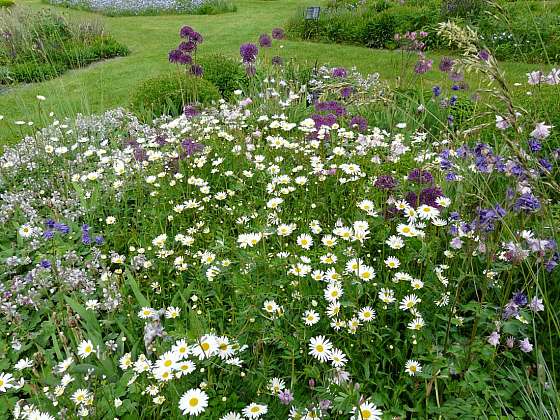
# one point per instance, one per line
(369, 26)
(225, 73)
(42, 45)
(6, 3)
(167, 95)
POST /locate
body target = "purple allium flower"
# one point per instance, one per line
(331, 106)
(423, 65)
(446, 64)
(196, 37)
(484, 55)
(196, 70)
(186, 32)
(248, 52)
(278, 33)
(494, 338)
(277, 61)
(345, 92)
(527, 202)
(525, 345)
(420, 176)
(179, 57)
(339, 72)
(286, 397)
(428, 196)
(265, 41)
(359, 122)
(190, 111)
(385, 182)
(536, 305)
(187, 46)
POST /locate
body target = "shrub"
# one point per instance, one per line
(168, 93)
(6, 3)
(225, 73)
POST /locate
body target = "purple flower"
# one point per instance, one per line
(265, 41)
(456, 243)
(359, 122)
(385, 182)
(48, 234)
(277, 61)
(536, 305)
(528, 203)
(446, 64)
(525, 345)
(324, 404)
(196, 70)
(541, 131)
(510, 342)
(191, 147)
(339, 72)
(248, 52)
(99, 240)
(520, 298)
(331, 106)
(484, 55)
(494, 338)
(420, 176)
(456, 76)
(186, 32)
(187, 46)
(190, 111)
(196, 37)
(62, 228)
(436, 91)
(511, 310)
(286, 397)
(45, 264)
(423, 65)
(345, 92)
(278, 33)
(86, 240)
(180, 57)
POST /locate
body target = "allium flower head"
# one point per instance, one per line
(248, 52)
(278, 33)
(265, 41)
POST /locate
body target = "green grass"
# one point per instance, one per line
(110, 83)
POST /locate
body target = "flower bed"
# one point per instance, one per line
(281, 257)
(142, 7)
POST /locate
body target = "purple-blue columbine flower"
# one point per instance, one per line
(278, 33)
(525, 345)
(494, 338)
(86, 239)
(536, 305)
(248, 52)
(436, 91)
(99, 240)
(62, 228)
(286, 397)
(527, 202)
(534, 145)
(45, 264)
(48, 234)
(520, 299)
(265, 41)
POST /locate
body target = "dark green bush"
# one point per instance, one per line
(225, 73)
(167, 94)
(30, 72)
(6, 3)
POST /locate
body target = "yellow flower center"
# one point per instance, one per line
(193, 402)
(168, 363)
(205, 346)
(319, 348)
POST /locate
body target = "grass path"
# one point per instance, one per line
(109, 84)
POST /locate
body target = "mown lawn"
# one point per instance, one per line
(109, 84)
